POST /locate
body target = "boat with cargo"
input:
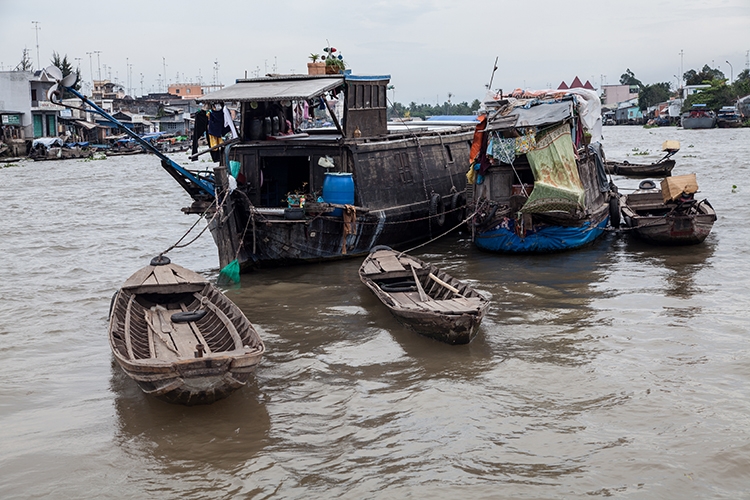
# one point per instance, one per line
(306, 169)
(668, 214)
(320, 175)
(537, 185)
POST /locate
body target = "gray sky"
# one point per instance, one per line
(429, 47)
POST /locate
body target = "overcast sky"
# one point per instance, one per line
(431, 48)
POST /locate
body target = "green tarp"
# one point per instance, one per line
(557, 185)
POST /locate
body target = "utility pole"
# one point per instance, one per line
(37, 28)
(98, 64)
(682, 71)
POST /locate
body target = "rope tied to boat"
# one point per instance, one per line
(467, 219)
(217, 211)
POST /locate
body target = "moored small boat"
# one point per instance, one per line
(179, 337)
(670, 215)
(661, 168)
(422, 297)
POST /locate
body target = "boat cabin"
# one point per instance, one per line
(292, 129)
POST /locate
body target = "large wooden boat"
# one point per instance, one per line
(661, 168)
(699, 116)
(325, 139)
(668, 216)
(422, 297)
(179, 337)
(537, 186)
(728, 117)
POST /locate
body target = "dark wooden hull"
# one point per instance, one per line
(446, 309)
(656, 169)
(162, 355)
(408, 189)
(659, 223)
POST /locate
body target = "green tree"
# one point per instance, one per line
(741, 86)
(651, 95)
(706, 75)
(426, 110)
(66, 68)
(628, 78)
(718, 95)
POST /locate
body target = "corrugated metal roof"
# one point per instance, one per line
(274, 89)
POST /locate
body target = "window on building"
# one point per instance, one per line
(187, 91)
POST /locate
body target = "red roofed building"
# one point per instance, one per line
(576, 84)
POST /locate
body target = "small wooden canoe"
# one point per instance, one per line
(422, 297)
(179, 337)
(662, 168)
(685, 221)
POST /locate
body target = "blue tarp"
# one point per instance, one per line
(504, 238)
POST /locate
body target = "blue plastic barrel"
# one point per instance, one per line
(338, 187)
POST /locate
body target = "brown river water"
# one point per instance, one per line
(620, 369)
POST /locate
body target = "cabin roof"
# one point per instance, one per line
(274, 89)
(537, 114)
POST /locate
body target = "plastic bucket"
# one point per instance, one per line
(338, 187)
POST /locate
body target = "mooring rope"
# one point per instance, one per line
(467, 219)
(201, 217)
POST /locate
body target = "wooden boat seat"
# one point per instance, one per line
(385, 261)
(455, 305)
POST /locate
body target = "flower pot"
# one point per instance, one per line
(332, 70)
(316, 68)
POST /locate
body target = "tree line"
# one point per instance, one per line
(423, 111)
(720, 93)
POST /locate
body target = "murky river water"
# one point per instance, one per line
(617, 370)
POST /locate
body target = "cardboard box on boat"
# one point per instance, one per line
(673, 187)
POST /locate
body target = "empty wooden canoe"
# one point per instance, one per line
(179, 337)
(422, 297)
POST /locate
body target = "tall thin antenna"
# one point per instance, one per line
(682, 71)
(492, 77)
(98, 64)
(37, 28)
(164, 62)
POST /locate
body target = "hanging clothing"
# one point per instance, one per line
(215, 141)
(229, 123)
(216, 126)
(201, 126)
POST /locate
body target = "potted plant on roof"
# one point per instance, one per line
(316, 67)
(334, 62)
